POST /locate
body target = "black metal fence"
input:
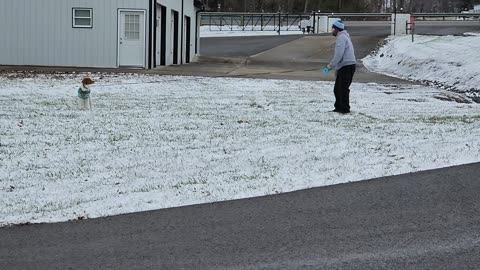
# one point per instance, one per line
(446, 16)
(252, 21)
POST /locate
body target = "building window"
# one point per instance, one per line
(132, 27)
(82, 17)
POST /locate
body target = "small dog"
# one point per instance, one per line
(84, 100)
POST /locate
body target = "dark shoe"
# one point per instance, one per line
(340, 111)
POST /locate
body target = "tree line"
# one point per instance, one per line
(308, 6)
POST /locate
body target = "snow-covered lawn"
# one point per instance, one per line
(162, 141)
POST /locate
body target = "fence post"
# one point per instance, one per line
(412, 21)
(261, 23)
(314, 22)
(279, 22)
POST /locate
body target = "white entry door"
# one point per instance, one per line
(131, 38)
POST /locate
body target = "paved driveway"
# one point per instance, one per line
(426, 220)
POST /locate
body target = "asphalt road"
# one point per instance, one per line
(380, 29)
(425, 220)
(242, 46)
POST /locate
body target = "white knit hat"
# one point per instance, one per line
(339, 25)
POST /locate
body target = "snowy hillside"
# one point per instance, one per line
(449, 62)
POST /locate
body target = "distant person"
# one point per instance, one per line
(344, 63)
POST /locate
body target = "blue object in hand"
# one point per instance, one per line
(326, 70)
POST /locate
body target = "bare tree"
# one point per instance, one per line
(306, 6)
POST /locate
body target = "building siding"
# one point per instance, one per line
(189, 10)
(40, 32)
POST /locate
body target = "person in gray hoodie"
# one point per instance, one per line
(344, 63)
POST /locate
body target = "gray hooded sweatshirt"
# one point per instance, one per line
(344, 54)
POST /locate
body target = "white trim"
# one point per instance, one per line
(120, 10)
(74, 17)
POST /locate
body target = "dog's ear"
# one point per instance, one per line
(87, 81)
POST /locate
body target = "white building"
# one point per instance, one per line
(98, 33)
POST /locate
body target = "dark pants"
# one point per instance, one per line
(342, 88)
